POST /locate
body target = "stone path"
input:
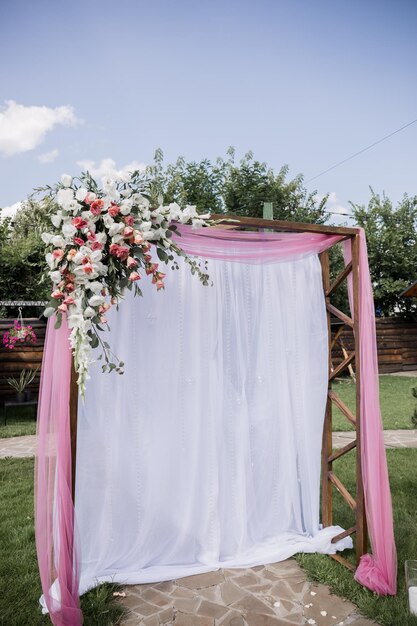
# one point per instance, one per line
(272, 595)
(25, 446)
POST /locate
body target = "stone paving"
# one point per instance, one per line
(26, 446)
(272, 595)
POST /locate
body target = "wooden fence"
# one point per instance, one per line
(21, 357)
(396, 339)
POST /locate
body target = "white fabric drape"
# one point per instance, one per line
(206, 452)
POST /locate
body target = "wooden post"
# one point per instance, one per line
(361, 528)
(327, 446)
(73, 410)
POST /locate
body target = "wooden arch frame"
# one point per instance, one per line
(329, 479)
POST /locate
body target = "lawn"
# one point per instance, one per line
(397, 403)
(387, 611)
(18, 567)
(397, 406)
(20, 421)
(20, 585)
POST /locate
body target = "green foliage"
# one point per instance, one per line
(392, 249)
(22, 255)
(414, 415)
(229, 187)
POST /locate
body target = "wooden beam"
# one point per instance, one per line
(343, 491)
(327, 441)
(344, 534)
(295, 227)
(339, 279)
(342, 407)
(343, 365)
(361, 533)
(337, 313)
(73, 410)
(343, 561)
(341, 451)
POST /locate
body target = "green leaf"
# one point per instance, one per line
(58, 321)
(162, 255)
(94, 341)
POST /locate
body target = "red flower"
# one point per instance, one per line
(79, 222)
(79, 241)
(96, 207)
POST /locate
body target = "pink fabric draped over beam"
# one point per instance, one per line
(377, 571)
(55, 541)
(54, 510)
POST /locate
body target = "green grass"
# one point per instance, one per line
(20, 421)
(387, 611)
(397, 403)
(19, 579)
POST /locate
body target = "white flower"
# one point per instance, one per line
(68, 230)
(117, 238)
(55, 276)
(66, 180)
(125, 207)
(58, 241)
(115, 229)
(145, 226)
(101, 237)
(89, 312)
(64, 197)
(96, 300)
(57, 219)
(95, 287)
(81, 193)
(108, 220)
(46, 238)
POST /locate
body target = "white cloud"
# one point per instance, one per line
(334, 205)
(108, 166)
(10, 211)
(23, 128)
(48, 157)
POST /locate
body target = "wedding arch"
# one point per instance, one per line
(292, 249)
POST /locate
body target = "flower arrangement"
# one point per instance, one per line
(18, 333)
(25, 378)
(102, 241)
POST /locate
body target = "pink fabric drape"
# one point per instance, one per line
(54, 510)
(56, 546)
(378, 571)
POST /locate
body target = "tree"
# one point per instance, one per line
(22, 256)
(392, 250)
(229, 187)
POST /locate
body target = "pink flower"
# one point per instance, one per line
(104, 307)
(88, 268)
(96, 245)
(96, 207)
(79, 241)
(58, 295)
(58, 254)
(63, 308)
(113, 210)
(129, 220)
(147, 258)
(123, 253)
(134, 276)
(152, 268)
(159, 285)
(71, 254)
(114, 249)
(70, 287)
(69, 300)
(131, 262)
(138, 238)
(90, 197)
(128, 232)
(79, 222)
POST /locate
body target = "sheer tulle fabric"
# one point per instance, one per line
(379, 570)
(54, 512)
(206, 452)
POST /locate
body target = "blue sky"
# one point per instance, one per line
(301, 82)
